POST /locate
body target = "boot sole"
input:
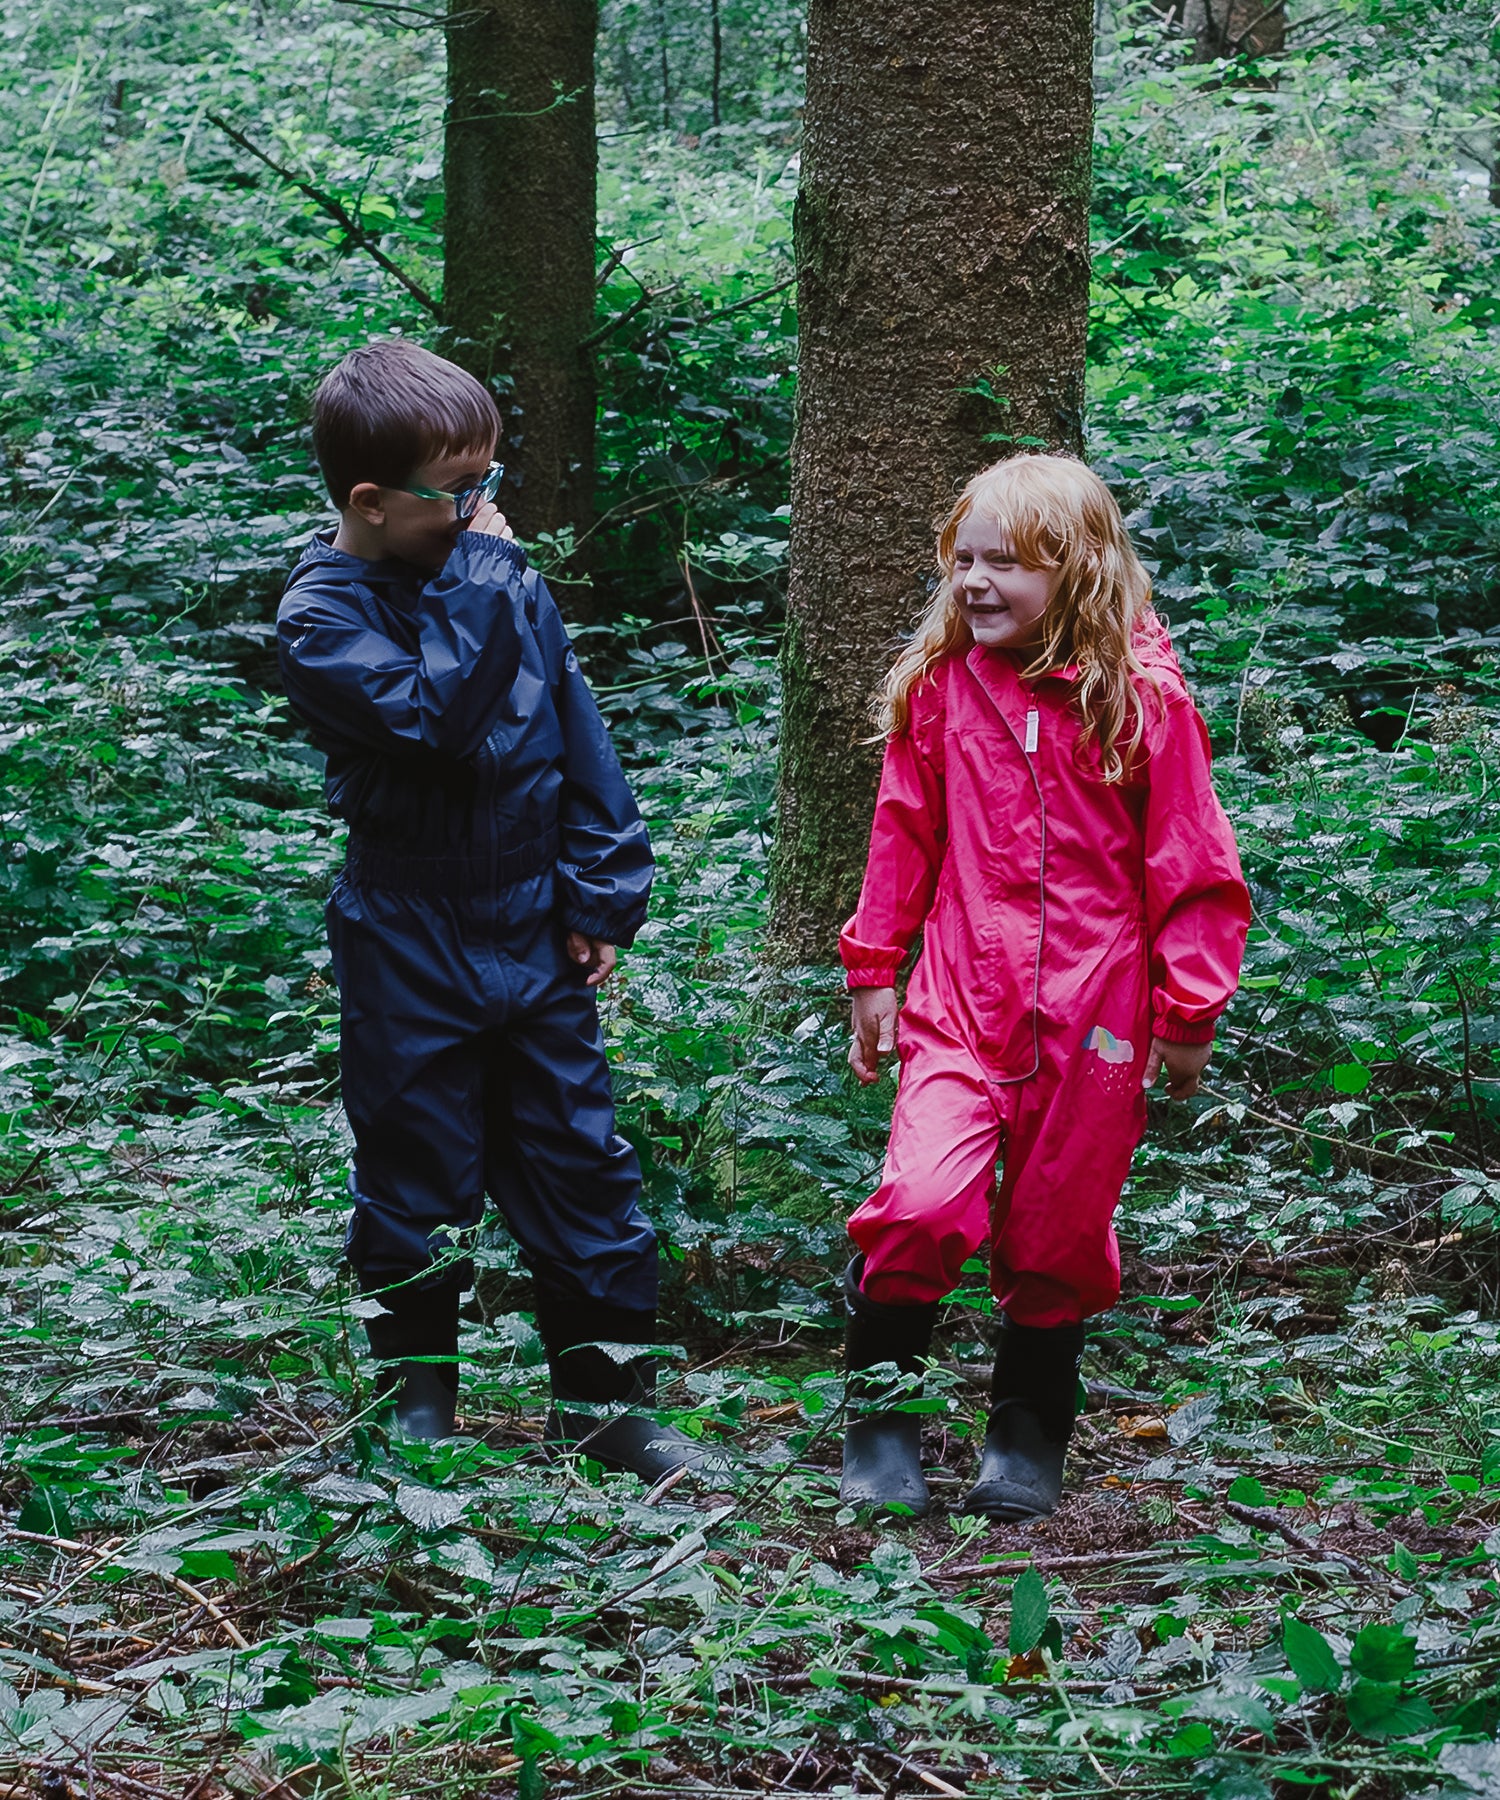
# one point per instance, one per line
(915, 1509)
(1003, 1512)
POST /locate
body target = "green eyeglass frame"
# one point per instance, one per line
(467, 501)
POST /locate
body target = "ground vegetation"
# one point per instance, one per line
(1274, 1571)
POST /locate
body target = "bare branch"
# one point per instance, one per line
(336, 210)
(646, 296)
(442, 21)
(752, 299)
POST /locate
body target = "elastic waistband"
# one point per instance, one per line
(370, 865)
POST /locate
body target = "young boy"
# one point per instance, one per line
(495, 859)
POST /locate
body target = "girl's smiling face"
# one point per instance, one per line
(1002, 601)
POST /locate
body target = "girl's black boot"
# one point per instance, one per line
(595, 1398)
(1033, 1399)
(422, 1323)
(882, 1447)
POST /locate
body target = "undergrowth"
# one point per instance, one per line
(1273, 1571)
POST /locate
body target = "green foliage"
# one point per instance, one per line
(1294, 387)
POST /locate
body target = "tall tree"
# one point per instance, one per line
(520, 171)
(942, 244)
(1235, 28)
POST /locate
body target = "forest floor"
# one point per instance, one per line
(1272, 1570)
(311, 1608)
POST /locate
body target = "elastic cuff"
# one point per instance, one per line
(871, 975)
(1179, 1031)
(595, 925)
(486, 541)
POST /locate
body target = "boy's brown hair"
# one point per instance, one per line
(392, 406)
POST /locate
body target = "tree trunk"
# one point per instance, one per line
(942, 245)
(716, 51)
(663, 37)
(520, 168)
(1235, 28)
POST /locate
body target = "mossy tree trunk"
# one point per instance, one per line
(520, 172)
(942, 245)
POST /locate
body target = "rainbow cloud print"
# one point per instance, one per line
(1110, 1048)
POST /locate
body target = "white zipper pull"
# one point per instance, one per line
(1031, 731)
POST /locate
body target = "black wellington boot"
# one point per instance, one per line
(423, 1323)
(882, 1448)
(595, 1398)
(1033, 1400)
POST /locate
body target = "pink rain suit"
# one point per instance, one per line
(1065, 920)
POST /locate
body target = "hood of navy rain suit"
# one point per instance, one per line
(458, 727)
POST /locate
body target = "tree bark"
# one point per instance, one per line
(716, 53)
(663, 39)
(942, 236)
(1235, 28)
(520, 172)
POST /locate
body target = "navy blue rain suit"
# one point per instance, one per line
(487, 816)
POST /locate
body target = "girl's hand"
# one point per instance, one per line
(1184, 1064)
(874, 1027)
(596, 956)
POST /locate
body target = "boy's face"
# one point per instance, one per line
(407, 526)
(1001, 599)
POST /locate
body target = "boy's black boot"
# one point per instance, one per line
(882, 1448)
(1033, 1400)
(422, 1323)
(594, 1397)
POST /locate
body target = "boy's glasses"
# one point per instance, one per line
(467, 501)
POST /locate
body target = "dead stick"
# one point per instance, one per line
(185, 1588)
(231, 1630)
(131, 1785)
(1265, 1520)
(1093, 1560)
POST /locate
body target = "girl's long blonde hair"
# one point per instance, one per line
(1057, 514)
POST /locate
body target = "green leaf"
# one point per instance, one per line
(429, 1509)
(1245, 1490)
(1236, 1709)
(46, 1513)
(531, 1784)
(1239, 1786)
(1383, 1653)
(1378, 1709)
(1192, 1740)
(207, 1565)
(1311, 1657)
(1029, 1610)
(1350, 1078)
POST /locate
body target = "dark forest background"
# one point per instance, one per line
(1273, 1573)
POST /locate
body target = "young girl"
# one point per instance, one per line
(1046, 820)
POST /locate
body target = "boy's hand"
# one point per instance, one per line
(491, 521)
(1184, 1064)
(874, 1027)
(595, 955)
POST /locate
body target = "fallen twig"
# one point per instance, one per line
(1091, 1559)
(1266, 1520)
(102, 1554)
